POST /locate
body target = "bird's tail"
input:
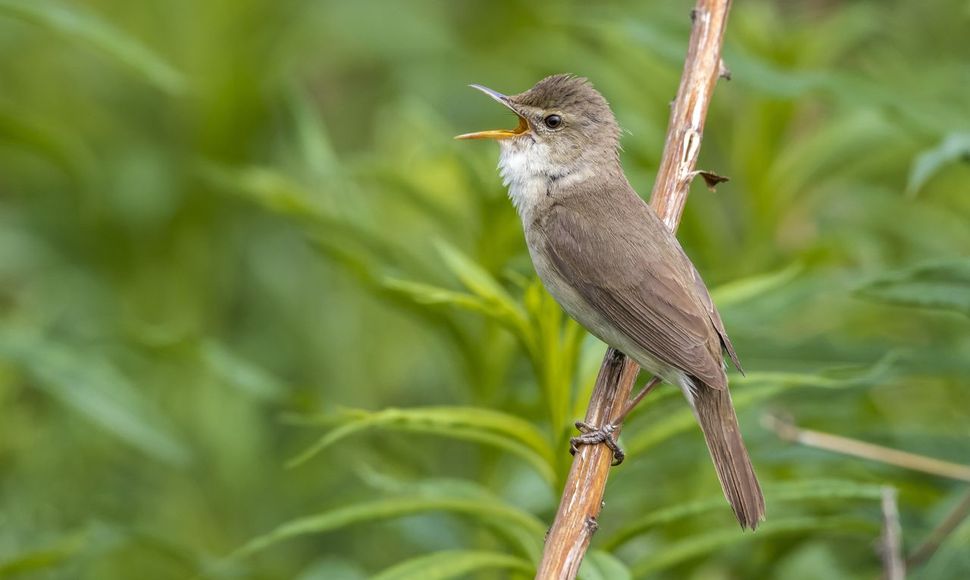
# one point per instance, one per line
(715, 413)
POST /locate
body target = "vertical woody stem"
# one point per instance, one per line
(582, 498)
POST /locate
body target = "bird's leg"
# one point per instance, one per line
(593, 436)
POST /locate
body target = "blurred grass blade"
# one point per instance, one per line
(758, 387)
(753, 286)
(482, 284)
(802, 491)
(93, 387)
(955, 147)
(36, 561)
(359, 245)
(453, 564)
(269, 188)
(702, 544)
(88, 29)
(601, 565)
(942, 285)
(240, 373)
(437, 296)
(490, 512)
(51, 140)
(485, 426)
(314, 143)
(453, 488)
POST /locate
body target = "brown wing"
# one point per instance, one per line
(705, 297)
(635, 274)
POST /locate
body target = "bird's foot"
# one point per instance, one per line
(594, 436)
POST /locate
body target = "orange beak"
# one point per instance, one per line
(498, 133)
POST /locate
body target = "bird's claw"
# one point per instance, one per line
(594, 436)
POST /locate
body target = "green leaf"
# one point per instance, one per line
(754, 286)
(494, 513)
(453, 564)
(955, 147)
(943, 285)
(706, 543)
(483, 285)
(240, 373)
(469, 423)
(601, 565)
(97, 390)
(88, 29)
(43, 559)
(51, 140)
(757, 386)
(437, 296)
(778, 494)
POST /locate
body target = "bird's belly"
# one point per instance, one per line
(599, 326)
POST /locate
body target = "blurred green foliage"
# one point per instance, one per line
(260, 317)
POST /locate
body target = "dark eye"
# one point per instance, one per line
(553, 121)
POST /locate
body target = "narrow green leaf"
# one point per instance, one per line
(453, 564)
(51, 140)
(44, 559)
(483, 285)
(435, 295)
(315, 147)
(86, 28)
(943, 285)
(955, 147)
(476, 278)
(495, 513)
(753, 286)
(240, 373)
(97, 390)
(758, 386)
(702, 544)
(472, 424)
(601, 565)
(778, 494)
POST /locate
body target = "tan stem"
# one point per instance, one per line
(582, 498)
(891, 542)
(787, 430)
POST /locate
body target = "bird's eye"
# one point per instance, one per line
(553, 121)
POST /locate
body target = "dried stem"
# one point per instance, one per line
(582, 498)
(932, 543)
(787, 430)
(891, 542)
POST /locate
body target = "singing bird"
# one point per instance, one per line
(613, 266)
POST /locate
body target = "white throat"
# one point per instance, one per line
(529, 172)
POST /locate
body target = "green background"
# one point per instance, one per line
(229, 228)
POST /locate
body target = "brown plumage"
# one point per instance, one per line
(606, 257)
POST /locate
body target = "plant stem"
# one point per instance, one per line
(582, 498)
(788, 431)
(939, 534)
(891, 542)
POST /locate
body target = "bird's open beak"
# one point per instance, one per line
(498, 133)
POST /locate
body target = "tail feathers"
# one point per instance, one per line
(715, 413)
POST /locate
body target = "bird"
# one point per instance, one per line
(610, 262)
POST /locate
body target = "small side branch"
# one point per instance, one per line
(582, 497)
(939, 534)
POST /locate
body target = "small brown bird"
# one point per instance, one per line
(609, 261)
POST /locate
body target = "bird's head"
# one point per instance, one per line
(562, 120)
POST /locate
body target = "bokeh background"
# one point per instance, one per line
(261, 317)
